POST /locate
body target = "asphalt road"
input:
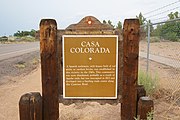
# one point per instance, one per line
(12, 50)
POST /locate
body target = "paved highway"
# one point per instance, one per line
(12, 50)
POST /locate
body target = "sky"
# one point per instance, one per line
(26, 14)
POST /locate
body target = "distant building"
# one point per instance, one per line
(3, 38)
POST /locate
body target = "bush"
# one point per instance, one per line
(170, 31)
(172, 36)
(28, 39)
(154, 39)
(150, 83)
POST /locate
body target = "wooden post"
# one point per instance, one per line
(145, 105)
(141, 92)
(130, 70)
(24, 107)
(48, 49)
(30, 106)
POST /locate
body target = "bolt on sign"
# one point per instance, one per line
(90, 64)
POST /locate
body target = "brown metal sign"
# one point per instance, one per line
(90, 64)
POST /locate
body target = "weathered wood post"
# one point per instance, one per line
(130, 70)
(30, 106)
(141, 92)
(145, 106)
(48, 50)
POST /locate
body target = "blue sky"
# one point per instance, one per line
(26, 14)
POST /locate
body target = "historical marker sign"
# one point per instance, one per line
(90, 64)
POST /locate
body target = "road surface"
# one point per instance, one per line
(12, 50)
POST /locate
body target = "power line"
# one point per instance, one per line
(159, 18)
(162, 7)
(163, 12)
(166, 21)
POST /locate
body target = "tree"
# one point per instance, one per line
(169, 30)
(119, 25)
(142, 21)
(156, 32)
(141, 18)
(110, 23)
(32, 33)
(173, 15)
(25, 33)
(17, 34)
(176, 14)
(104, 21)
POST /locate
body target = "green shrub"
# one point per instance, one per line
(28, 39)
(154, 39)
(20, 65)
(150, 83)
(149, 116)
(172, 36)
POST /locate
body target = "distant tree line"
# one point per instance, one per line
(167, 31)
(109, 22)
(25, 33)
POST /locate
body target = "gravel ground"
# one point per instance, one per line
(18, 66)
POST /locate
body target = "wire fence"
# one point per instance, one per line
(160, 59)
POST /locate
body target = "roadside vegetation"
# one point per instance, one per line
(150, 82)
(25, 33)
(20, 65)
(165, 31)
(20, 36)
(149, 116)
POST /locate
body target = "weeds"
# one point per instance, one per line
(150, 83)
(154, 39)
(28, 39)
(149, 116)
(35, 61)
(20, 65)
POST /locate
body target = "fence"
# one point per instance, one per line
(160, 59)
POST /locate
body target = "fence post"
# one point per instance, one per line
(30, 106)
(48, 50)
(148, 47)
(130, 71)
(145, 106)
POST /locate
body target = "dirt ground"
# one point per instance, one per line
(167, 97)
(17, 78)
(18, 66)
(165, 49)
(169, 77)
